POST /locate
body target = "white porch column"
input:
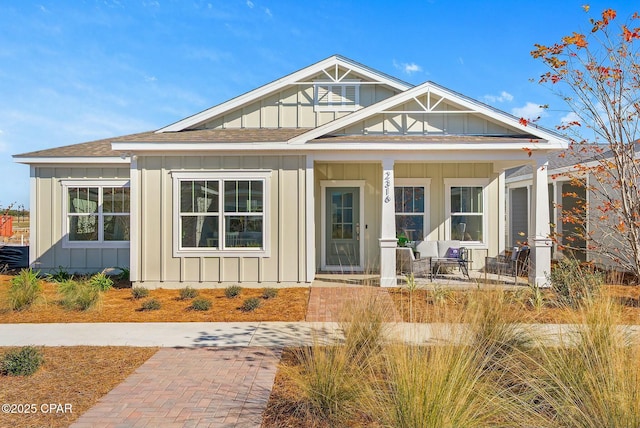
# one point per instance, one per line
(557, 211)
(388, 240)
(310, 225)
(539, 231)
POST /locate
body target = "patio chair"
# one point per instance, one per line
(408, 264)
(516, 265)
(443, 254)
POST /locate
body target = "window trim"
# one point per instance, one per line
(101, 184)
(468, 182)
(232, 175)
(332, 106)
(419, 182)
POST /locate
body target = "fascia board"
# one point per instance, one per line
(73, 160)
(279, 84)
(418, 91)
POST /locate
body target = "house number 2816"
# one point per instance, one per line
(387, 187)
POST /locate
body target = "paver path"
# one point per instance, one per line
(327, 303)
(217, 387)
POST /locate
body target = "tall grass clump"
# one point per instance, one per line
(364, 323)
(574, 284)
(101, 281)
(592, 379)
(79, 295)
(25, 289)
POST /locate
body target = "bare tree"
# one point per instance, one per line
(598, 75)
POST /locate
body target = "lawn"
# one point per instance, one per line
(76, 376)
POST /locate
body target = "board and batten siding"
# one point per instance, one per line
(46, 248)
(157, 266)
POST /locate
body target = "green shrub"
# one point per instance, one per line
(232, 291)
(251, 304)
(188, 293)
(574, 284)
(59, 275)
(201, 304)
(123, 275)
(79, 295)
(21, 362)
(25, 289)
(139, 292)
(269, 293)
(101, 281)
(151, 305)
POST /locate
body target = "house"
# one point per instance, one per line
(316, 171)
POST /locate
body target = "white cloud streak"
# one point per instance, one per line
(407, 68)
(530, 111)
(503, 97)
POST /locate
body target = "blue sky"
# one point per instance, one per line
(76, 71)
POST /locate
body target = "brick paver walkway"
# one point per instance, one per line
(326, 304)
(217, 387)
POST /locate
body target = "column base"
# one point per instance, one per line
(388, 262)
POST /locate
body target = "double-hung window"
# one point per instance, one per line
(96, 214)
(411, 204)
(220, 212)
(466, 209)
(332, 96)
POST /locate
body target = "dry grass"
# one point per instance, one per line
(118, 305)
(426, 306)
(75, 375)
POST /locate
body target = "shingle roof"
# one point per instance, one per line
(557, 160)
(102, 148)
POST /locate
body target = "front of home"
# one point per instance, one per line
(318, 171)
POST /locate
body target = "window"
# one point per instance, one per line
(96, 214)
(466, 207)
(412, 198)
(336, 96)
(218, 212)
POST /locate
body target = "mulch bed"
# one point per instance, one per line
(118, 305)
(73, 376)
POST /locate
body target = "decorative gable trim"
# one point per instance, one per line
(297, 77)
(468, 105)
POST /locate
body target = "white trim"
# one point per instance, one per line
(34, 241)
(428, 88)
(72, 160)
(100, 184)
(468, 182)
(310, 232)
(420, 182)
(221, 175)
(502, 206)
(134, 222)
(291, 79)
(360, 146)
(324, 184)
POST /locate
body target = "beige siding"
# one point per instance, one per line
(46, 245)
(286, 263)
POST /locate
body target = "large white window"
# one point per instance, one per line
(96, 214)
(220, 212)
(412, 208)
(336, 96)
(466, 205)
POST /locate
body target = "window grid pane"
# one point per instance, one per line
(410, 210)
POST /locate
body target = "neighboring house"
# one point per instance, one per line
(316, 171)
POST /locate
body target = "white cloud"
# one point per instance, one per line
(530, 111)
(407, 68)
(461, 60)
(504, 96)
(250, 4)
(570, 117)
(268, 12)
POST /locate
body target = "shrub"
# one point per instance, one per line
(269, 293)
(59, 275)
(79, 295)
(139, 292)
(574, 284)
(201, 304)
(25, 289)
(251, 304)
(21, 362)
(151, 305)
(124, 274)
(188, 293)
(232, 291)
(101, 281)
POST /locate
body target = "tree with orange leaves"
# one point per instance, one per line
(598, 76)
